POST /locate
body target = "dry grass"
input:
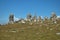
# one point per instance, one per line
(30, 32)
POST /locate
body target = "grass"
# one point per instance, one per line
(19, 31)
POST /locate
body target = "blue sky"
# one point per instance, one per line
(20, 8)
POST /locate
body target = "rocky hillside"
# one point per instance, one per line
(30, 31)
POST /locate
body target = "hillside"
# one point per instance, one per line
(27, 31)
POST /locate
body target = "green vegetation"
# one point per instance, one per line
(20, 31)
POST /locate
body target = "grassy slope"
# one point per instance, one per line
(29, 32)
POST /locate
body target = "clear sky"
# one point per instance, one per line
(20, 8)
